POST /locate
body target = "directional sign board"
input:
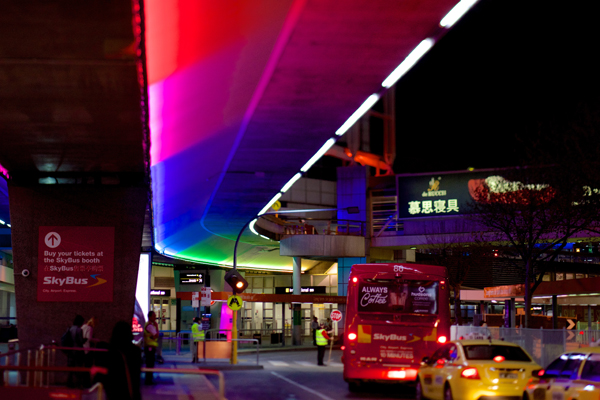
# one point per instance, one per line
(336, 315)
(571, 324)
(235, 302)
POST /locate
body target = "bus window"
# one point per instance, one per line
(413, 297)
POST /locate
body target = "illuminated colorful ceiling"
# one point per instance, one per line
(243, 93)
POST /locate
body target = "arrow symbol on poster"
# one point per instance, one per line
(52, 239)
(571, 324)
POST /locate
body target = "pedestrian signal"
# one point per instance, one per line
(236, 281)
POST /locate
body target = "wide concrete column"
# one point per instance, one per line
(112, 218)
(297, 308)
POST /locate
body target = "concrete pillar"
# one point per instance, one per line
(554, 312)
(513, 313)
(297, 308)
(507, 316)
(282, 324)
(116, 209)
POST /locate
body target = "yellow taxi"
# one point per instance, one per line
(476, 370)
(573, 375)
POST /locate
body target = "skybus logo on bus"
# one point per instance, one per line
(393, 336)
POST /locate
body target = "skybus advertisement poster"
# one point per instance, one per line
(75, 263)
(415, 297)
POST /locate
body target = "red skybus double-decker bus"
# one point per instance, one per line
(396, 314)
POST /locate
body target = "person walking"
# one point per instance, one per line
(322, 339)
(314, 325)
(75, 358)
(150, 345)
(198, 336)
(88, 335)
(124, 363)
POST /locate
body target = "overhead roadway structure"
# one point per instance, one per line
(243, 94)
(228, 103)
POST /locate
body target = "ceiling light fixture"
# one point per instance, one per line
(318, 154)
(408, 62)
(456, 13)
(365, 106)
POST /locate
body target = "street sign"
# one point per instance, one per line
(235, 302)
(336, 315)
(571, 324)
(205, 300)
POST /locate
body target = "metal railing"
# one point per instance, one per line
(40, 371)
(255, 341)
(543, 345)
(317, 226)
(259, 337)
(219, 374)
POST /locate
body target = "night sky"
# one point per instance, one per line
(505, 69)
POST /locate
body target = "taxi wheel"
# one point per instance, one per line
(447, 393)
(419, 391)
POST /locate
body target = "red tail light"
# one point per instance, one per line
(343, 348)
(499, 359)
(470, 373)
(442, 339)
(352, 336)
(408, 374)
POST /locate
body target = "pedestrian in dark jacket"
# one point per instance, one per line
(124, 363)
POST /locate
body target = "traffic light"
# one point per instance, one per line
(236, 281)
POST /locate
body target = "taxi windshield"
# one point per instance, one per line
(488, 352)
(392, 296)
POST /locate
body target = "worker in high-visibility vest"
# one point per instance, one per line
(150, 345)
(197, 336)
(322, 339)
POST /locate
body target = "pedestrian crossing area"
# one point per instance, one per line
(276, 363)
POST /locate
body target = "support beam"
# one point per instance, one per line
(297, 308)
(554, 312)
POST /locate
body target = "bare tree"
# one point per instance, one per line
(533, 213)
(459, 254)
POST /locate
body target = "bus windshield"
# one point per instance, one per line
(393, 296)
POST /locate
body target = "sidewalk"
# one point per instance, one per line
(192, 385)
(169, 386)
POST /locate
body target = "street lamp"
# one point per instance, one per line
(233, 278)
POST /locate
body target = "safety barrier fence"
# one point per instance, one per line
(39, 369)
(543, 345)
(182, 340)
